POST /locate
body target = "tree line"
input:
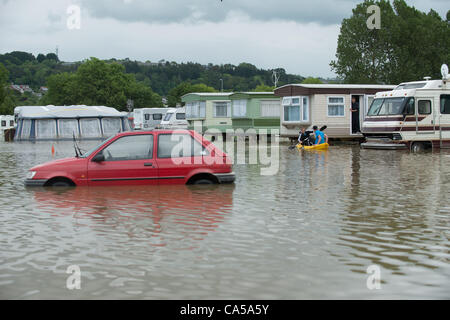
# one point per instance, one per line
(112, 82)
(409, 45)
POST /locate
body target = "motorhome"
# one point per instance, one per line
(415, 115)
(175, 118)
(148, 118)
(64, 122)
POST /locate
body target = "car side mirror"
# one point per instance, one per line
(99, 157)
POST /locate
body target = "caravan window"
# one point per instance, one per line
(90, 127)
(168, 116)
(157, 116)
(239, 108)
(68, 127)
(336, 107)
(445, 104)
(305, 109)
(424, 107)
(181, 116)
(26, 129)
(46, 128)
(270, 108)
(147, 116)
(111, 126)
(196, 109)
(291, 107)
(222, 109)
(3, 123)
(11, 123)
(295, 109)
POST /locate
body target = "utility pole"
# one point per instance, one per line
(221, 85)
(275, 77)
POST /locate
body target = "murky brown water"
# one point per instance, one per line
(311, 231)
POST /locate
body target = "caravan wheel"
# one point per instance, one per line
(417, 147)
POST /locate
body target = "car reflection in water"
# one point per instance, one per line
(177, 216)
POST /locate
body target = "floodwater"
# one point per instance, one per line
(324, 226)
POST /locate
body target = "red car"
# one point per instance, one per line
(140, 157)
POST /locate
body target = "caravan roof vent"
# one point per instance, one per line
(427, 78)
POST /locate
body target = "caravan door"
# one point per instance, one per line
(444, 120)
(425, 119)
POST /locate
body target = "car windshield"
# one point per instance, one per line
(87, 154)
(168, 116)
(387, 106)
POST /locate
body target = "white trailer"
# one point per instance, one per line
(6, 122)
(148, 118)
(175, 118)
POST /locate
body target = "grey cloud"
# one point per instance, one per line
(168, 11)
(324, 12)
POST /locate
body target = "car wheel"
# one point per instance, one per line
(203, 181)
(417, 147)
(60, 184)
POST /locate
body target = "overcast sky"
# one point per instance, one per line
(297, 35)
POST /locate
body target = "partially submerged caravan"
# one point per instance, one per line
(148, 118)
(303, 105)
(7, 125)
(6, 122)
(415, 115)
(64, 122)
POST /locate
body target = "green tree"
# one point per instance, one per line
(97, 82)
(312, 80)
(263, 88)
(176, 93)
(4, 76)
(409, 45)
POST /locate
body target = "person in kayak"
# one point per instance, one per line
(320, 136)
(304, 137)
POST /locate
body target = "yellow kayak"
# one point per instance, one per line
(315, 147)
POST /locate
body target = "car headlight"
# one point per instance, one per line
(31, 174)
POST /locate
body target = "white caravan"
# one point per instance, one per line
(415, 115)
(6, 122)
(148, 118)
(175, 118)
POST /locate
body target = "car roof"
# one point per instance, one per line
(158, 131)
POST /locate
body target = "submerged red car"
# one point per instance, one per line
(140, 157)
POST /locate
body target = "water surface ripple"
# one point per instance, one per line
(311, 231)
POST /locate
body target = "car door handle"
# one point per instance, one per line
(148, 164)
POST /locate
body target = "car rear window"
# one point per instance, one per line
(179, 145)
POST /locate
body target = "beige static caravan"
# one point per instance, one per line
(305, 105)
